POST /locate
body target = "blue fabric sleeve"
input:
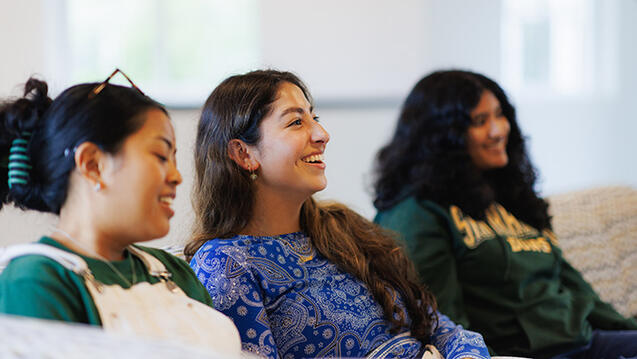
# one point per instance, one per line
(454, 342)
(235, 292)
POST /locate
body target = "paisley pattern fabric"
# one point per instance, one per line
(288, 301)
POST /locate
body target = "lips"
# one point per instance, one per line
(313, 158)
(166, 202)
(166, 199)
(496, 145)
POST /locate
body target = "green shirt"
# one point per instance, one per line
(502, 278)
(37, 286)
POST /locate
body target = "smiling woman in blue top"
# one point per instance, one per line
(299, 279)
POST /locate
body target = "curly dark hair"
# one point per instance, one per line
(427, 157)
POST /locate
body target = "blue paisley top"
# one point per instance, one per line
(288, 301)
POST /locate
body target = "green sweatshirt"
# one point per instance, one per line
(37, 286)
(501, 278)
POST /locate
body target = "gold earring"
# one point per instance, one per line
(253, 176)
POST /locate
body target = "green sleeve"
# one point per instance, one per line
(429, 243)
(603, 316)
(35, 286)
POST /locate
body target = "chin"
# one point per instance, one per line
(315, 190)
(321, 186)
(499, 165)
(159, 231)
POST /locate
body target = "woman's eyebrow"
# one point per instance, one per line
(299, 110)
(166, 141)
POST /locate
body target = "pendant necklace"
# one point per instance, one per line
(81, 245)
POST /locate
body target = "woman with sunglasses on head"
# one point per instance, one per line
(456, 183)
(299, 278)
(102, 158)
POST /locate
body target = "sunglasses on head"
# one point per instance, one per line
(101, 86)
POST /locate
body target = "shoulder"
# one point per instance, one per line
(238, 248)
(35, 285)
(412, 211)
(34, 267)
(218, 256)
(241, 256)
(225, 267)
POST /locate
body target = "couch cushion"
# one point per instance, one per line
(22, 337)
(597, 231)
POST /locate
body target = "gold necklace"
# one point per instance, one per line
(90, 251)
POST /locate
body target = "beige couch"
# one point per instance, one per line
(597, 231)
(37, 338)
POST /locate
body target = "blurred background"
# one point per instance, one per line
(567, 65)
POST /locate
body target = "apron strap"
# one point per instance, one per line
(76, 264)
(69, 260)
(155, 267)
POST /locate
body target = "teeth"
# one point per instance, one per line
(166, 199)
(314, 158)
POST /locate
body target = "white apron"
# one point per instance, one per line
(159, 311)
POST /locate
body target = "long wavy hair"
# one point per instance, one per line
(223, 199)
(428, 158)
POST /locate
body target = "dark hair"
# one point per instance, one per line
(223, 199)
(57, 127)
(428, 158)
(222, 189)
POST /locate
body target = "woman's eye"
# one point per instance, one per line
(296, 122)
(316, 118)
(162, 158)
(478, 121)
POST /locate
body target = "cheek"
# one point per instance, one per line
(473, 139)
(507, 128)
(281, 151)
(146, 178)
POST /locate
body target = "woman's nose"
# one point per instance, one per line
(174, 176)
(319, 134)
(499, 126)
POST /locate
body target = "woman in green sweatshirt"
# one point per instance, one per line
(456, 183)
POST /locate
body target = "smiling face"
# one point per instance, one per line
(291, 146)
(488, 134)
(141, 182)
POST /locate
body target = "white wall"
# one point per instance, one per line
(360, 58)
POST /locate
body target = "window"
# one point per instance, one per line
(175, 51)
(557, 48)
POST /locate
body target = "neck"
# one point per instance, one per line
(274, 214)
(88, 240)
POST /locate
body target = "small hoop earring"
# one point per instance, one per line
(97, 187)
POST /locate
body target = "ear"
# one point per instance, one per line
(242, 155)
(89, 161)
